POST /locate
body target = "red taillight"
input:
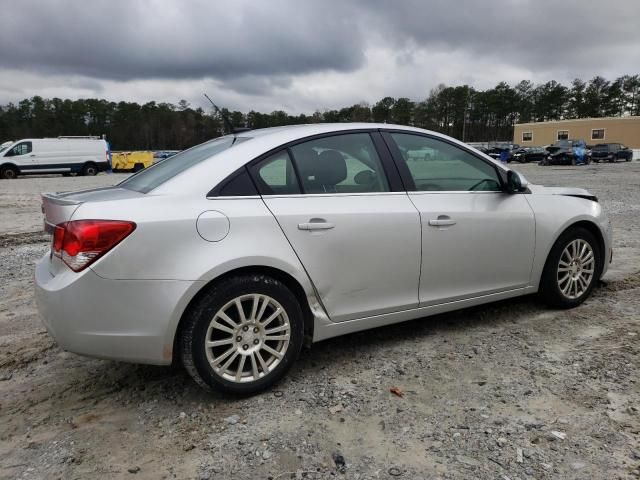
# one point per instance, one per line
(58, 238)
(81, 242)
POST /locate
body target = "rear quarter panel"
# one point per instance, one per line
(166, 243)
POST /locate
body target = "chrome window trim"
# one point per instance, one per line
(428, 192)
(368, 194)
(316, 195)
(234, 197)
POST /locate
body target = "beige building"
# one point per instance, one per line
(625, 130)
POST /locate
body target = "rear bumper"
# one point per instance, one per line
(128, 320)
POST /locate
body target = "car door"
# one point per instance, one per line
(476, 239)
(354, 229)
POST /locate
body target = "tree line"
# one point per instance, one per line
(459, 111)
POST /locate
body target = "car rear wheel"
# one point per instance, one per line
(572, 269)
(9, 172)
(242, 335)
(89, 170)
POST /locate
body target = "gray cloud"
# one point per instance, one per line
(157, 39)
(300, 55)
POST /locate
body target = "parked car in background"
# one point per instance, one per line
(611, 152)
(229, 255)
(564, 152)
(162, 154)
(66, 155)
(529, 154)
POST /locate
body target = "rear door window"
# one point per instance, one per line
(275, 175)
(347, 163)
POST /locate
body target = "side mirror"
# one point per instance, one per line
(516, 182)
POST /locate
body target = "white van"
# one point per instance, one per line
(66, 155)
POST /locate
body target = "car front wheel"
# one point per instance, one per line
(242, 335)
(572, 269)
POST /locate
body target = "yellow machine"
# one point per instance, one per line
(131, 161)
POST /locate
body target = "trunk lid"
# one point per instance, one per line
(60, 206)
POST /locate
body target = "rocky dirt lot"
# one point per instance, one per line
(512, 390)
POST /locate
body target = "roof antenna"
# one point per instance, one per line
(225, 119)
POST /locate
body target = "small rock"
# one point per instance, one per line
(277, 394)
(133, 470)
(456, 435)
(339, 461)
(266, 454)
(233, 419)
(560, 435)
(578, 465)
(183, 415)
(298, 411)
(6, 377)
(395, 472)
(501, 442)
(519, 455)
(335, 409)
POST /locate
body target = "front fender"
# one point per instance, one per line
(554, 214)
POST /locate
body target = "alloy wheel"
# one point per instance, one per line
(576, 268)
(247, 338)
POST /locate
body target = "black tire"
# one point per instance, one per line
(549, 289)
(193, 332)
(137, 167)
(9, 172)
(89, 170)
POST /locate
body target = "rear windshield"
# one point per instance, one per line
(154, 176)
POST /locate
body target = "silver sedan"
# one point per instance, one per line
(230, 255)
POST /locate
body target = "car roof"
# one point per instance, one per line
(309, 129)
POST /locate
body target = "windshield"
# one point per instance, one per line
(154, 176)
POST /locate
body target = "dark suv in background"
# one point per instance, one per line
(529, 154)
(611, 152)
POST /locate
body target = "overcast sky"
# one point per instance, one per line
(300, 56)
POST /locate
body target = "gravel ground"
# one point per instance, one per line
(510, 390)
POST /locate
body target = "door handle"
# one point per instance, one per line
(442, 221)
(317, 225)
(32, 155)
